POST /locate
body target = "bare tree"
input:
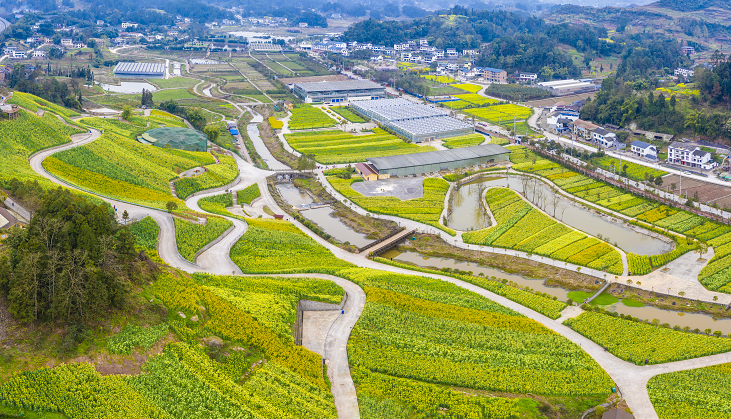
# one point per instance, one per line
(75, 271)
(562, 207)
(554, 200)
(50, 230)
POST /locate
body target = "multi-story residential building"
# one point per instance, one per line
(126, 25)
(583, 129)
(471, 52)
(688, 50)
(527, 77)
(690, 155)
(684, 72)
(39, 53)
(644, 149)
(423, 42)
(18, 54)
(495, 75)
(606, 139)
(67, 42)
(452, 53)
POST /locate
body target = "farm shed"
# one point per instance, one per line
(434, 161)
(339, 91)
(417, 123)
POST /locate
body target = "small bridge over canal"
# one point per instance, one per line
(386, 243)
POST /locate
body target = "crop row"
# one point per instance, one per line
(306, 116)
(634, 171)
(702, 393)
(346, 113)
(192, 237)
(640, 342)
(464, 141)
(278, 246)
(215, 175)
(333, 147)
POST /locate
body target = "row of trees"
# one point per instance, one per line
(72, 263)
(48, 88)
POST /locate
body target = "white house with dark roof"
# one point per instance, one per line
(690, 155)
(644, 149)
(606, 139)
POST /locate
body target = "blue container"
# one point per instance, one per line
(234, 131)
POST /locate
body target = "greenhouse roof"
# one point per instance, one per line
(176, 137)
(433, 125)
(140, 68)
(398, 109)
(437, 157)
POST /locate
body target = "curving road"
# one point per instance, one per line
(631, 379)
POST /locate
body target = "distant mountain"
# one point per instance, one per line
(692, 5)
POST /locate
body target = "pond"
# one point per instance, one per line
(467, 214)
(132, 87)
(692, 320)
(321, 216)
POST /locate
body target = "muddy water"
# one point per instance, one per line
(692, 320)
(321, 216)
(293, 195)
(334, 227)
(467, 212)
(415, 258)
(567, 212)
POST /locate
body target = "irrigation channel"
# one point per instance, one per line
(682, 319)
(321, 216)
(468, 213)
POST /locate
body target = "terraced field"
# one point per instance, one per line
(118, 166)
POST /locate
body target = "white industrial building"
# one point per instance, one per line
(568, 87)
(339, 91)
(417, 123)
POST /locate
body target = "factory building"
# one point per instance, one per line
(435, 161)
(412, 121)
(568, 87)
(140, 70)
(339, 91)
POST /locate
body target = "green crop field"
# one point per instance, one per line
(246, 196)
(409, 348)
(468, 87)
(426, 209)
(24, 136)
(346, 113)
(192, 237)
(307, 116)
(501, 113)
(639, 342)
(702, 393)
(118, 166)
(715, 276)
(476, 99)
(214, 176)
(333, 147)
(172, 94)
(634, 171)
(270, 246)
(522, 227)
(464, 141)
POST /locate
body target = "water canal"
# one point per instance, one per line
(468, 214)
(682, 319)
(321, 216)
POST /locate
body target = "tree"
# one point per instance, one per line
(147, 98)
(125, 216)
(658, 181)
(213, 132)
(127, 112)
(171, 206)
